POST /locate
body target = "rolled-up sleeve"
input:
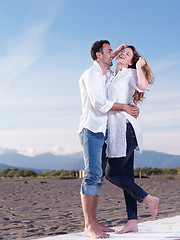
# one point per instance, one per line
(134, 80)
(96, 91)
(109, 104)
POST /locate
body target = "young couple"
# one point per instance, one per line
(109, 132)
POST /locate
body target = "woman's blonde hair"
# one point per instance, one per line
(139, 96)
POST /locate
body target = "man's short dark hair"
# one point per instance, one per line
(97, 47)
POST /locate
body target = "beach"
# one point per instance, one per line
(42, 208)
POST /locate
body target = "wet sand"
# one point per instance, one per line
(35, 209)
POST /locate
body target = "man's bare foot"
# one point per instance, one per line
(130, 226)
(104, 228)
(152, 203)
(94, 232)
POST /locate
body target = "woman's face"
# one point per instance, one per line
(125, 56)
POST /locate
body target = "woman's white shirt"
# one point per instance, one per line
(121, 89)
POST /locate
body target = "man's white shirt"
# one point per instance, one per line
(95, 104)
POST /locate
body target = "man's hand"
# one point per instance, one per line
(121, 47)
(132, 110)
(115, 52)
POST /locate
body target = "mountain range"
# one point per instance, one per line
(48, 161)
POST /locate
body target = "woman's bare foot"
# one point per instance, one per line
(152, 203)
(94, 232)
(130, 226)
(104, 228)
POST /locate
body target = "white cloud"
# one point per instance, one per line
(166, 62)
(25, 52)
(167, 142)
(66, 141)
(161, 118)
(37, 141)
(159, 96)
(33, 151)
(7, 150)
(26, 48)
(161, 110)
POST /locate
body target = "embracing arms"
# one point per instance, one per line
(96, 92)
(131, 109)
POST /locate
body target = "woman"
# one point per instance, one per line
(124, 135)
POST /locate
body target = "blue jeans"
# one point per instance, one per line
(94, 157)
(120, 171)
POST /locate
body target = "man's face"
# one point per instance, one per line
(107, 55)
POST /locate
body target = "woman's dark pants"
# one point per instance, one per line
(120, 171)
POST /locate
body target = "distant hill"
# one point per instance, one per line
(50, 161)
(3, 166)
(45, 161)
(156, 159)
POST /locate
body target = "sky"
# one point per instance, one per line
(45, 47)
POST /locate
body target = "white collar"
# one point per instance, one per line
(98, 68)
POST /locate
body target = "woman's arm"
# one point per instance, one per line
(117, 50)
(142, 83)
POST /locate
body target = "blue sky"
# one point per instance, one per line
(45, 47)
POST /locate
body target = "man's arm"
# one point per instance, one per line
(96, 92)
(97, 96)
(117, 50)
(131, 109)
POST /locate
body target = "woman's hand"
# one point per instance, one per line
(141, 62)
(142, 82)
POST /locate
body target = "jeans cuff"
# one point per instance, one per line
(92, 190)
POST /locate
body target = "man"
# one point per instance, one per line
(95, 106)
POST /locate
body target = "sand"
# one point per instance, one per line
(35, 209)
